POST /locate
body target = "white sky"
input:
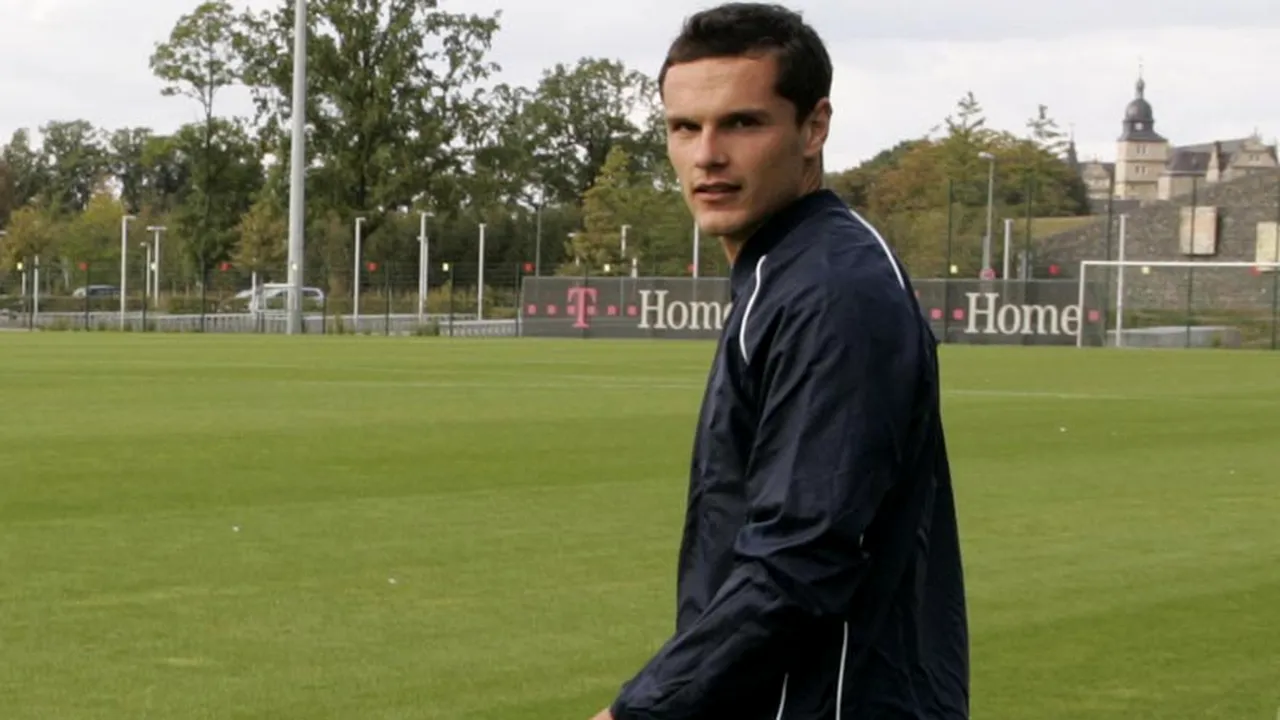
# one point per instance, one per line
(1211, 68)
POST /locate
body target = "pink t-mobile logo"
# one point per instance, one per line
(582, 304)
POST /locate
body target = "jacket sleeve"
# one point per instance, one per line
(836, 387)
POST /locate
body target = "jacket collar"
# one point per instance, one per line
(776, 229)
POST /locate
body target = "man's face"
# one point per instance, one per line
(735, 144)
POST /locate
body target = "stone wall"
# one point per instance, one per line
(1153, 229)
(1154, 233)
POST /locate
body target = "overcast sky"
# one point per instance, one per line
(1211, 67)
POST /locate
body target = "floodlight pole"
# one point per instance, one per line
(480, 282)
(124, 267)
(991, 188)
(697, 250)
(297, 167)
(1124, 233)
(154, 273)
(423, 264)
(355, 281)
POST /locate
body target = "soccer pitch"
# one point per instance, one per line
(375, 528)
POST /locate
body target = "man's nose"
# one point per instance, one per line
(709, 150)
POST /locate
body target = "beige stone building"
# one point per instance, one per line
(1148, 167)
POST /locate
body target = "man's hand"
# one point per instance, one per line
(604, 715)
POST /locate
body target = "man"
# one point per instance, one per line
(820, 575)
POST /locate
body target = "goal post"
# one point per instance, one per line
(1180, 303)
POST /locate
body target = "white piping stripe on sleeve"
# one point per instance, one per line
(742, 330)
(844, 655)
(782, 705)
(883, 246)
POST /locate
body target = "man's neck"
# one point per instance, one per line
(732, 245)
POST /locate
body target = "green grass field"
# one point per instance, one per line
(269, 527)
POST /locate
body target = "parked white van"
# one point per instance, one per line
(275, 296)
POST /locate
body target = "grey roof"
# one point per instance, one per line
(1196, 159)
(1184, 161)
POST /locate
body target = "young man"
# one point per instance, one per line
(820, 572)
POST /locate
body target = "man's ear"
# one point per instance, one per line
(816, 129)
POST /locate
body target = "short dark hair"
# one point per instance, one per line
(743, 28)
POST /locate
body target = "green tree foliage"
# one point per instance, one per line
(30, 234)
(394, 112)
(391, 94)
(27, 166)
(404, 116)
(263, 235)
(198, 61)
(8, 193)
(93, 236)
(77, 162)
(658, 226)
(580, 113)
(225, 156)
(126, 149)
(921, 187)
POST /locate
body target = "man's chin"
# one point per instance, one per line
(719, 224)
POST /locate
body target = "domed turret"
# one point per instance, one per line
(1138, 109)
(1139, 119)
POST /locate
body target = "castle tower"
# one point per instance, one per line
(1141, 153)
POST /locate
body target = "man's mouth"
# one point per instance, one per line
(715, 189)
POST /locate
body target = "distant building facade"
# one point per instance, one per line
(1149, 168)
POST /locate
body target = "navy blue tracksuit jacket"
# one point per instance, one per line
(820, 571)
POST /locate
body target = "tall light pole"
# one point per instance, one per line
(297, 167)
(124, 266)
(625, 228)
(423, 264)
(537, 233)
(355, 281)
(697, 249)
(991, 193)
(480, 282)
(154, 275)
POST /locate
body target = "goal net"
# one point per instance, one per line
(1180, 304)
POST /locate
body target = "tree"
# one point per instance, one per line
(1055, 182)
(1044, 132)
(262, 231)
(27, 167)
(388, 99)
(124, 158)
(167, 171)
(504, 169)
(7, 193)
(658, 224)
(77, 163)
(855, 184)
(30, 234)
(581, 112)
(93, 236)
(198, 61)
(227, 158)
(606, 206)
